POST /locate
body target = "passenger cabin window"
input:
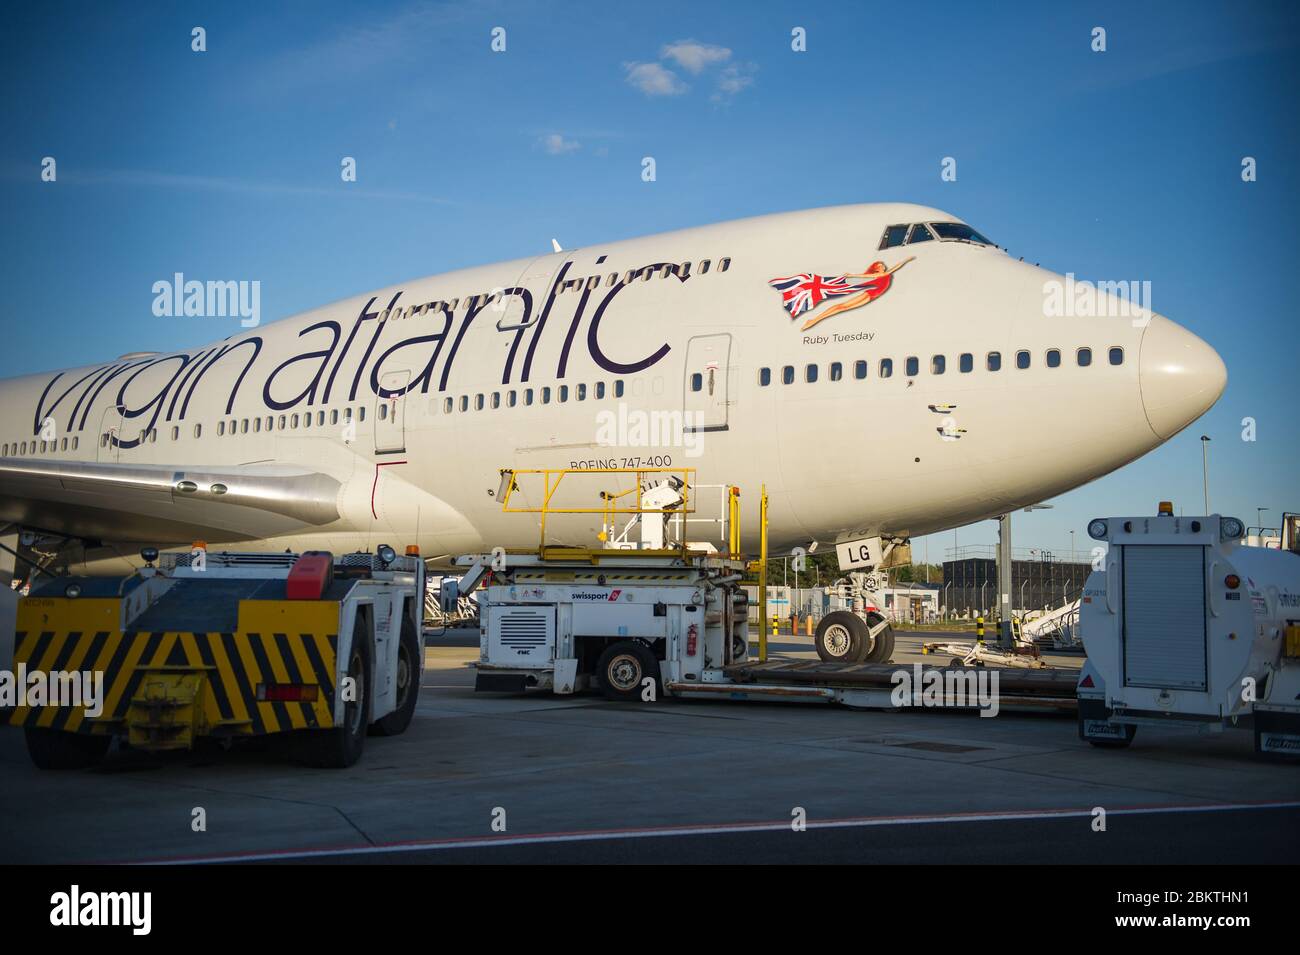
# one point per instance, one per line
(697, 381)
(919, 234)
(810, 374)
(994, 361)
(787, 375)
(966, 362)
(1084, 357)
(1053, 358)
(895, 235)
(836, 371)
(764, 377)
(1022, 359)
(1117, 356)
(886, 367)
(913, 366)
(938, 364)
(859, 369)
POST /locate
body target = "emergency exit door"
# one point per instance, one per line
(111, 425)
(390, 412)
(708, 361)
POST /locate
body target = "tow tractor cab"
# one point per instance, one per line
(1184, 625)
(313, 648)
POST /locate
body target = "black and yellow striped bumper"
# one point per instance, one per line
(164, 689)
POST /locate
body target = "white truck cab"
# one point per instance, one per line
(1183, 625)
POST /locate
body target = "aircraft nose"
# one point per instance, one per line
(1180, 376)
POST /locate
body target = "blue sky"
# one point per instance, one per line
(225, 164)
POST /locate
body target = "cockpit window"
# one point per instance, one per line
(895, 235)
(958, 231)
(919, 234)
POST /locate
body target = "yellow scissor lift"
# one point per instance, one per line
(636, 618)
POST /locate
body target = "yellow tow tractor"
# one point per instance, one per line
(314, 649)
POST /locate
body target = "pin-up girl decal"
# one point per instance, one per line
(804, 292)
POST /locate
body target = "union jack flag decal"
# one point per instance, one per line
(805, 291)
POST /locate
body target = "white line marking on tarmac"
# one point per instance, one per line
(597, 835)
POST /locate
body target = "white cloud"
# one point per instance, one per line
(654, 80)
(162, 180)
(557, 145)
(734, 78)
(693, 57)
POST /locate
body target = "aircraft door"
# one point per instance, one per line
(110, 432)
(390, 412)
(512, 313)
(706, 388)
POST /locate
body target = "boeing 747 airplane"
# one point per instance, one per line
(885, 370)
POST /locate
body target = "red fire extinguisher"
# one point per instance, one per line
(692, 639)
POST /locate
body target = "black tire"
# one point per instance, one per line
(407, 678)
(882, 649)
(341, 746)
(842, 637)
(623, 668)
(55, 749)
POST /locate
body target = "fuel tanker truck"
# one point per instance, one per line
(1186, 626)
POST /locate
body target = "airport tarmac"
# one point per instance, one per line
(583, 779)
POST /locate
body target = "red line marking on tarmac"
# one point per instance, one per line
(702, 829)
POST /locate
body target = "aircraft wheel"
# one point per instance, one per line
(842, 637)
(883, 648)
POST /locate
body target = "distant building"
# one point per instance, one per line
(912, 602)
(1038, 582)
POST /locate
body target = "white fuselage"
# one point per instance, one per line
(902, 455)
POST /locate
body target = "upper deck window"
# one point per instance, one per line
(958, 232)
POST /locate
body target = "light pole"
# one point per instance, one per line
(1205, 470)
(1006, 637)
